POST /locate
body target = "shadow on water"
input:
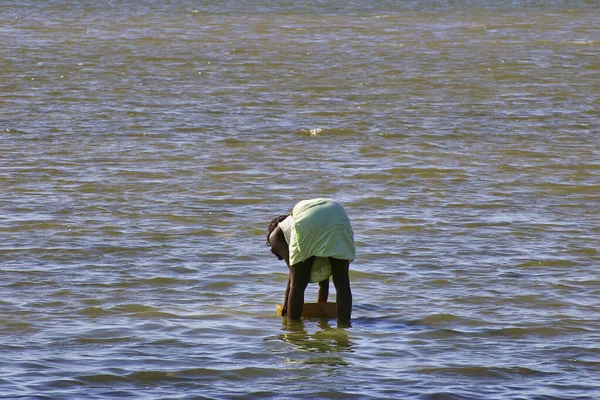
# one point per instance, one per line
(377, 318)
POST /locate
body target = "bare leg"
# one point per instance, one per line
(299, 277)
(323, 293)
(341, 280)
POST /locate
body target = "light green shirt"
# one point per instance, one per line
(320, 228)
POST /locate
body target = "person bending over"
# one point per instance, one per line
(316, 241)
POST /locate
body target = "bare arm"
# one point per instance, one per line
(279, 248)
(286, 296)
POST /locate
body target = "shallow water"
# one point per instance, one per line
(145, 147)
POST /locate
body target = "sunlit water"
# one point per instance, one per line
(145, 146)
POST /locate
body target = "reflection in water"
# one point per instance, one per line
(330, 342)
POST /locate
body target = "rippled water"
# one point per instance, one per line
(145, 146)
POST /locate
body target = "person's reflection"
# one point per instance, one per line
(325, 340)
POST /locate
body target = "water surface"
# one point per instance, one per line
(146, 146)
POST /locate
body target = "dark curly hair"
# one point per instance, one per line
(273, 225)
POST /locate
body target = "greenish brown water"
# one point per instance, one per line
(144, 147)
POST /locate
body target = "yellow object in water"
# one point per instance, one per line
(315, 310)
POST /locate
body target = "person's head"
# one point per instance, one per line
(272, 227)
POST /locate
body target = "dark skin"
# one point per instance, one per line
(298, 279)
